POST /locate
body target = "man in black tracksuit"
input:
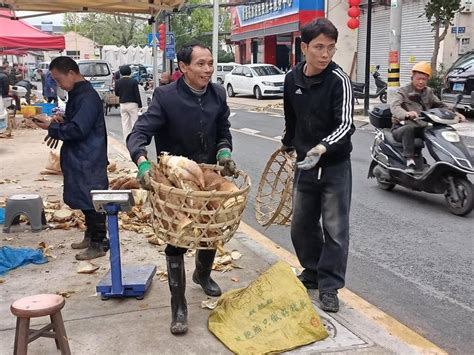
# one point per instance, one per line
(318, 105)
(188, 117)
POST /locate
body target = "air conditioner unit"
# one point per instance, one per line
(467, 6)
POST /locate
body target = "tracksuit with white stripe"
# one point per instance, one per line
(319, 110)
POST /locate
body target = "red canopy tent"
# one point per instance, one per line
(16, 34)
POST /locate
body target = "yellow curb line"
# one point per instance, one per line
(390, 324)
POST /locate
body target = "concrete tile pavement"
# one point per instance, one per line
(130, 326)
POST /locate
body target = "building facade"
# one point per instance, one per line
(268, 32)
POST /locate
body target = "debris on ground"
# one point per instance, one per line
(162, 276)
(209, 303)
(65, 294)
(86, 267)
(47, 250)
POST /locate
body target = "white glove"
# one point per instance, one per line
(312, 157)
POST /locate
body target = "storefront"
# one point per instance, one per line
(268, 32)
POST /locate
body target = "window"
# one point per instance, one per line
(238, 71)
(228, 67)
(267, 70)
(246, 71)
(219, 68)
(94, 69)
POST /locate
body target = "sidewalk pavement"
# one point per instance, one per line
(129, 326)
(465, 129)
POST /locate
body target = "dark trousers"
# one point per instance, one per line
(322, 246)
(96, 225)
(407, 134)
(171, 250)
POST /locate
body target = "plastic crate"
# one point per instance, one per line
(28, 111)
(46, 109)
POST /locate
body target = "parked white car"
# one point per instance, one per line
(259, 80)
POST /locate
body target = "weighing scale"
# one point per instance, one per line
(120, 281)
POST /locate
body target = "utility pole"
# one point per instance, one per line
(393, 82)
(367, 58)
(215, 37)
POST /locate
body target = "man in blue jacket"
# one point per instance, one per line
(83, 153)
(188, 117)
(318, 105)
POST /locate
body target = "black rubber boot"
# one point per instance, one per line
(202, 274)
(177, 283)
(93, 251)
(84, 243)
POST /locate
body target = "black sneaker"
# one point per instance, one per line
(329, 302)
(310, 285)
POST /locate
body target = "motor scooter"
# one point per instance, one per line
(381, 92)
(452, 159)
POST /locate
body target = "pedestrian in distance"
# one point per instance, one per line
(318, 106)
(83, 155)
(188, 117)
(409, 101)
(130, 101)
(176, 74)
(50, 89)
(165, 78)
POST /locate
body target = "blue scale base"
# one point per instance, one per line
(135, 281)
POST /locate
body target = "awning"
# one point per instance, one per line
(18, 35)
(104, 6)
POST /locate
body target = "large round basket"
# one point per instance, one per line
(273, 203)
(198, 219)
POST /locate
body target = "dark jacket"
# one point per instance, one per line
(50, 88)
(4, 84)
(183, 123)
(127, 90)
(84, 149)
(319, 113)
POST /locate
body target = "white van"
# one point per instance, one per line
(99, 73)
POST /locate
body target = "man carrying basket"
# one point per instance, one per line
(190, 118)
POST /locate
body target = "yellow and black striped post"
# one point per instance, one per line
(393, 75)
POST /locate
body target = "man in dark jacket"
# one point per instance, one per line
(318, 105)
(4, 81)
(83, 153)
(129, 97)
(188, 117)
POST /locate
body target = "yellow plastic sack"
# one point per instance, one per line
(273, 314)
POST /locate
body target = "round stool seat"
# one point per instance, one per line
(37, 306)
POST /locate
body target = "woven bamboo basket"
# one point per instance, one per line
(198, 219)
(273, 203)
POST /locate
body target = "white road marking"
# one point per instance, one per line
(276, 115)
(232, 114)
(254, 135)
(278, 137)
(249, 130)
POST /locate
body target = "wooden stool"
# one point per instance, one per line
(39, 306)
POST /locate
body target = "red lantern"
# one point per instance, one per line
(353, 23)
(354, 3)
(354, 11)
(162, 32)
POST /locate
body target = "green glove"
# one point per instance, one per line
(143, 175)
(224, 159)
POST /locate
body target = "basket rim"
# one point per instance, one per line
(284, 194)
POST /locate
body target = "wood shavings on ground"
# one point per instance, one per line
(86, 267)
(8, 181)
(209, 303)
(162, 276)
(224, 262)
(47, 250)
(65, 294)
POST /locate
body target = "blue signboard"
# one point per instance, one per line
(267, 10)
(170, 43)
(150, 39)
(458, 29)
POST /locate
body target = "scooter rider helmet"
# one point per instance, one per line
(422, 67)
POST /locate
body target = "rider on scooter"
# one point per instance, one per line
(409, 101)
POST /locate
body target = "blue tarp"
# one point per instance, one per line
(11, 258)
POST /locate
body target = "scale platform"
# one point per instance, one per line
(120, 281)
(135, 282)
